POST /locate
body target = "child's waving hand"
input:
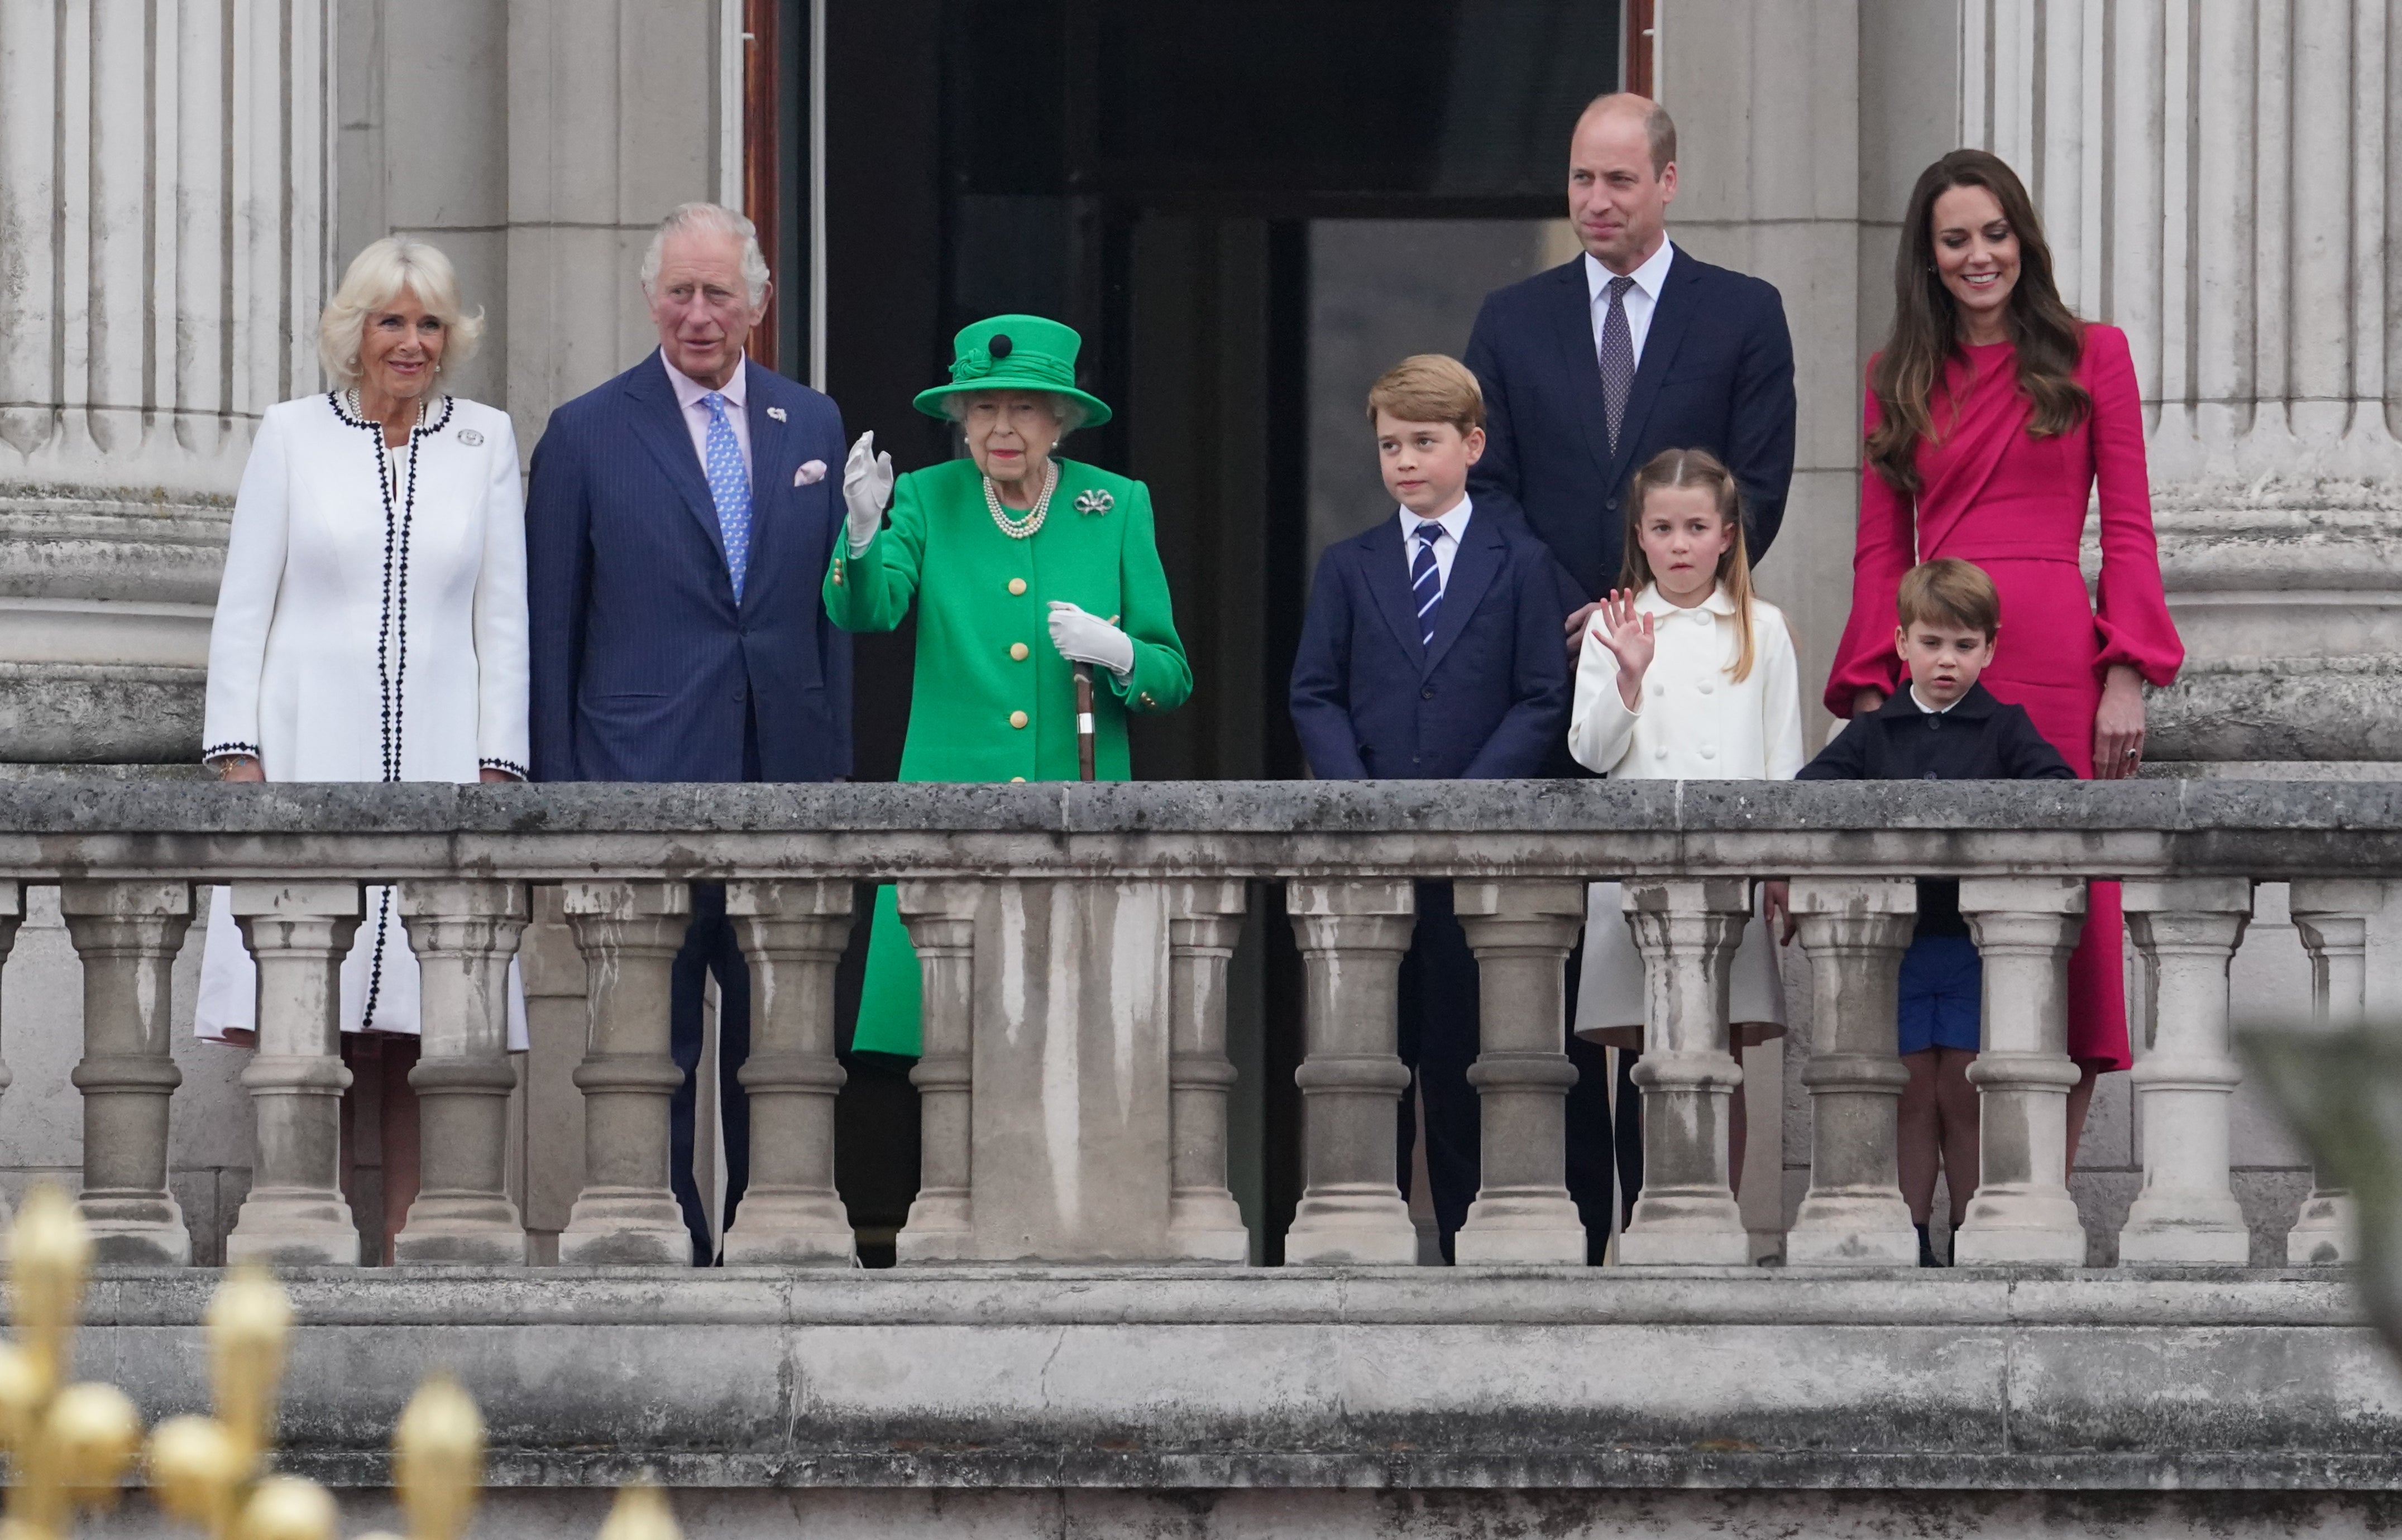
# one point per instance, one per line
(1627, 633)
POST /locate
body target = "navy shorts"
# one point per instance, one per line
(1941, 979)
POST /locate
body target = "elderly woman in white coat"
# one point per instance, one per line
(1686, 675)
(371, 626)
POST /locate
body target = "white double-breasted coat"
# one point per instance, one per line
(1696, 722)
(370, 627)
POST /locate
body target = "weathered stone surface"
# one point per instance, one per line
(1312, 1379)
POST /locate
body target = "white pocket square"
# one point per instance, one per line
(811, 472)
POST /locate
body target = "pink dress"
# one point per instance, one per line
(2016, 507)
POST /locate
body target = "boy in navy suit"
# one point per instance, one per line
(1432, 651)
(1945, 726)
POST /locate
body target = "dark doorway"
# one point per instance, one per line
(1248, 208)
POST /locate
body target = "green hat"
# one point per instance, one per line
(1015, 352)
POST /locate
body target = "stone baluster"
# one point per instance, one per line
(2187, 931)
(297, 933)
(1521, 933)
(127, 934)
(1855, 932)
(792, 935)
(629, 933)
(942, 920)
(1352, 936)
(2331, 915)
(464, 934)
(13, 915)
(1204, 921)
(2025, 928)
(1688, 930)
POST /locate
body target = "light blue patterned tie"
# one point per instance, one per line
(1425, 581)
(729, 488)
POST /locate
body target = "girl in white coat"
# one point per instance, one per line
(1685, 675)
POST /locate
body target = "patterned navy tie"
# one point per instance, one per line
(1617, 358)
(729, 488)
(1425, 581)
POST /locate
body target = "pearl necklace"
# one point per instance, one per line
(1022, 529)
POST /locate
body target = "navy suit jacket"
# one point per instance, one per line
(644, 669)
(1717, 374)
(1488, 699)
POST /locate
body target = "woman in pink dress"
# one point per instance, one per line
(1992, 414)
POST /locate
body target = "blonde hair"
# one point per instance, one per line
(1950, 589)
(1695, 468)
(1429, 388)
(375, 278)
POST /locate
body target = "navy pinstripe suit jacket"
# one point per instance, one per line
(644, 669)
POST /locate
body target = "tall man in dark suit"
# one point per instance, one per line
(678, 527)
(1588, 370)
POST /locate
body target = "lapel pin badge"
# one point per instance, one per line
(1094, 502)
(470, 437)
(776, 412)
(809, 472)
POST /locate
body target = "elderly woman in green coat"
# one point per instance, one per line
(1021, 565)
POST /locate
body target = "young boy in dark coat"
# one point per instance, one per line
(1432, 651)
(1946, 727)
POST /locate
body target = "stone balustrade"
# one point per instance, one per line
(1075, 944)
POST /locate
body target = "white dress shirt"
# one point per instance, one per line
(1640, 300)
(693, 396)
(1920, 701)
(1454, 522)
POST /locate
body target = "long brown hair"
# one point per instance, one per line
(1702, 469)
(1926, 321)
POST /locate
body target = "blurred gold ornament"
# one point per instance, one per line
(69, 1445)
(640, 1513)
(210, 1471)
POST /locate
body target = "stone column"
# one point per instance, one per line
(1521, 933)
(1688, 930)
(2218, 179)
(2331, 915)
(2025, 928)
(298, 933)
(127, 934)
(13, 915)
(163, 256)
(942, 921)
(792, 936)
(629, 933)
(1352, 936)
(1855, 932)
(464, 934)
(2186, 1075)
(1205, 919)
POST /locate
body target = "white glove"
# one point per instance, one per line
(1088, 638)
(866, 488)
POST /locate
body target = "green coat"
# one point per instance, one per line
(993, 700)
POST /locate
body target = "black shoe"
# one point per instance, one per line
(1926, 1248)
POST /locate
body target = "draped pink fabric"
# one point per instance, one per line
(2016, 507)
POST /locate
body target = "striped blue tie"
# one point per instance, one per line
(729, 488)
(1425, 582)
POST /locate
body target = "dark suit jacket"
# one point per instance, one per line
(643, 666)
(1980, 738)
(1717, 374)
(1490, 697)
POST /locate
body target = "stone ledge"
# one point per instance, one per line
(1402, 1378)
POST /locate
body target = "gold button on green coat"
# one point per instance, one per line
(941, 551)
(1017, 651)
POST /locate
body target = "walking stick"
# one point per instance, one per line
(1083, 722)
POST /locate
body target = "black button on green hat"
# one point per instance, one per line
(1015, 352)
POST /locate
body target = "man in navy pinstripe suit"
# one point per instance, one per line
(679, 524)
